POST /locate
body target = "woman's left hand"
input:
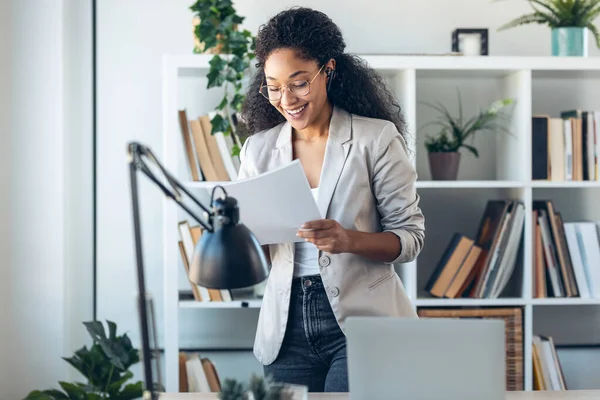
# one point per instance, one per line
(327, 234)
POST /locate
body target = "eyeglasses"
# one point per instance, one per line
(298, 87)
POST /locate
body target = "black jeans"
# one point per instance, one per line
(313, 352)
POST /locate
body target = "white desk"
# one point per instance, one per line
(535, 395)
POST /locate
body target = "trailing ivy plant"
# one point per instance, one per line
(105, 366)
(217, 31)
(561, 13)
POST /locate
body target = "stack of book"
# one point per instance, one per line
(547, 371)
(197, 374)
(566, 148)
(208, 154)
(481, 267)
(566, 255)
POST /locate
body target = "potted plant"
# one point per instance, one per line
(216, 31)
(260, 388)
(443, 149)
(105, 366)
(569, 20)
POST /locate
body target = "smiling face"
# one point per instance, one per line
(301, 109)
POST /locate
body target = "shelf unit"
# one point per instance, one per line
(538, 84)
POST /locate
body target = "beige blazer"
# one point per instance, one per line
(368, 184)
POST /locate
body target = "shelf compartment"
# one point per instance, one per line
(461, 211)
(500, 154)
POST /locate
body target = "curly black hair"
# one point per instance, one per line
(357, 88)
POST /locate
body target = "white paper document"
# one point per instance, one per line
(272, 205)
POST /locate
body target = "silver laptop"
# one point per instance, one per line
(425, 359)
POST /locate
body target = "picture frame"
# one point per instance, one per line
(470, 41)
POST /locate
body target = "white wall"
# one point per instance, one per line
(5, 176)
(132, 40)
(45, 267)
(78, 185)
(37, 209)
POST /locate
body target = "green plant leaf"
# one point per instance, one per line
(112, 329)
(549, 6)
(115, 386)
(92, 363)
(231, 389)
(471, 149)
(525, 19)
(119, 350)
(238, 64)
(130, 392)
(235, 151)
(223, 103)
(218, 26)
(595, 33)
(237, 102)
(74, 391)
(219, 124)
(558, 13)
(50, 394)
(216, 74)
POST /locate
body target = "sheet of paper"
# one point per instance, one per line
(272, 205)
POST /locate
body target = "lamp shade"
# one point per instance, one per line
(229, 257)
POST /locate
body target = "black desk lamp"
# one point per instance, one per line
(228, 255)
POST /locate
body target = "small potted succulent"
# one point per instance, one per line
(443, 148)
(569, 20)
(260, 388)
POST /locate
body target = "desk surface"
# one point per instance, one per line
(535, 395)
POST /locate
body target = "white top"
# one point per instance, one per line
(306, 258)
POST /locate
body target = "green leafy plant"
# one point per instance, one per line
(258, 388)
(217, 31)
(561, 13)
(105, 365)
(454, 131)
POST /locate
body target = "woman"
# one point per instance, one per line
(311, 101)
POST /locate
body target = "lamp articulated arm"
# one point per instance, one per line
(137, 154)
(228, 255)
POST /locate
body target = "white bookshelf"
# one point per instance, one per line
(538, 84)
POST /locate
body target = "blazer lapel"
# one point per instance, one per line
(283, 151)
(336, 152)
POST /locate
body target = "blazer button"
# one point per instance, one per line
(324, 261)
(334, 291)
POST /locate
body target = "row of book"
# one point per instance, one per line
(208, 155)
(188, 238)
(565, 148)
(566, 255)
(481, 267)
(547, 370)
(197, 374)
